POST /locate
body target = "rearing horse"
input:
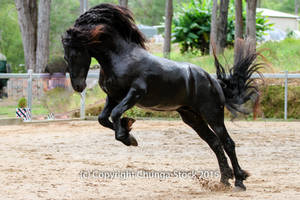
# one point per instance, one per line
(131, 76)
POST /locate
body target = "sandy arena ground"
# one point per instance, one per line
(68, 160)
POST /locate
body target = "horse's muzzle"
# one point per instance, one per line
(78, 85)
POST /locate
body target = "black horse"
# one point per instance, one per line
(132, 76)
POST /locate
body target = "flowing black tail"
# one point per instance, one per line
(237, 85)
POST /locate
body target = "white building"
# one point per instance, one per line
(283, 21)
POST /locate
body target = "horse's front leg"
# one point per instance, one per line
(103, 118)
(121, 130)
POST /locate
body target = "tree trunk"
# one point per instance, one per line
(123, 3)
(251, 23)
(218, 32)
(42, 51)
(168, 28)
(83, 7)
(238, 19)
(296, 7)
(213, 27)
(27, 15)
(258, 4)
(222, 26)
(238, 31)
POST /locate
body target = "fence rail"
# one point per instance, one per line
(30, 76)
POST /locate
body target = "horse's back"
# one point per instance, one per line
(171, 84)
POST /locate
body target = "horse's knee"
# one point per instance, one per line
(229, 144)
(226, 140)
(115, 115)
(102, 119)
(220, 131)
(216, 144)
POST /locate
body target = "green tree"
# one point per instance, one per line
(10, 36)
(151, 12)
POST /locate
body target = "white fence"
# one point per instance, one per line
(30, 76)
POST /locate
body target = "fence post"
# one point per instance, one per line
(286, 95)
(82, 104)
(29, 90)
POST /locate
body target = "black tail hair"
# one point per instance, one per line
(237, 85)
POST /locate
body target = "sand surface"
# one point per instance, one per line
(81, 160)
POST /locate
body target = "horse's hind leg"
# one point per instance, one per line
(199, 125)
(215, 119)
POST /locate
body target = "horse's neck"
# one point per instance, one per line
(105, 63)
(106, 57)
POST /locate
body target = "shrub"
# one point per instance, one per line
(57, 100)
(56, 65)
(272, 101)
(191, 26)
(22, 103)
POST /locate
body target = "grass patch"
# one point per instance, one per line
(10, 111)
(284, 55)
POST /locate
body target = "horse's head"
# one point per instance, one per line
(77, 58)
(95, 33)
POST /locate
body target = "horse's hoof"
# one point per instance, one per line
(133, 141)
(130, 141)
(239, 186)
(239, 189)
(225, 183)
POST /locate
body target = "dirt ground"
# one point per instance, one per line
(81, 160)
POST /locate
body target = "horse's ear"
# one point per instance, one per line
(72, 33)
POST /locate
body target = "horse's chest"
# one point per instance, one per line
(107, 84)
(110, 85)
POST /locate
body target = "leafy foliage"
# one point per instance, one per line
(22, 103)
(150, 12)
(191, 25)
(10, 37)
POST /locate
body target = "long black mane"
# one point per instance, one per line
(103, 19)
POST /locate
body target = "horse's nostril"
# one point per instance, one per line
(76, 87)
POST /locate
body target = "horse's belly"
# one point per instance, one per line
(162, 102)
(160, 107)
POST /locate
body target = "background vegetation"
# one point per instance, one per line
(191, 25)
(64, 12)
(284, 55)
